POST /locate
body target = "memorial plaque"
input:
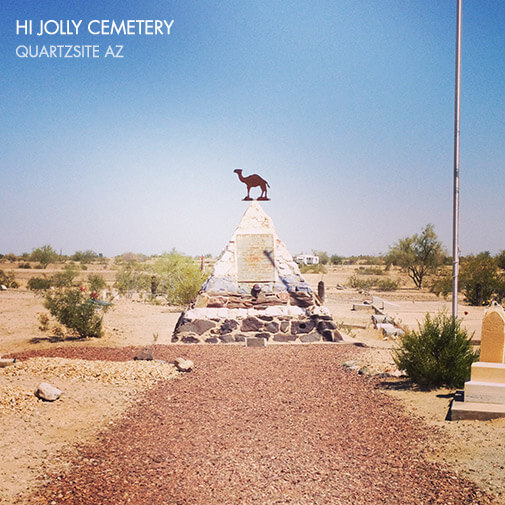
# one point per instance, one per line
(255, 258)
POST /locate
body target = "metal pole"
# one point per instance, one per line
(455, 234)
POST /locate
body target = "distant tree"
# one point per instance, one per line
(84, 256)
(500, 260)
(323, 257)
(44, 255)
(480, 280)
(336, 260)
(418, 255)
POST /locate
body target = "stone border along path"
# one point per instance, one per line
(276, 425)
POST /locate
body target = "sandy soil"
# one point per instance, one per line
(33, 440)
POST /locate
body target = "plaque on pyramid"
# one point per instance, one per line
(255, 291)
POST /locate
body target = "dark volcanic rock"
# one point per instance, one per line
(327, 335)
(211, 340)
(326, 325)
(264, 335)
(198, 326)
(228, 326)
(280, 337)
(227, 339)
(189, 339)
(272, 327)
(284, 326)
(302, 327)
(251, 324)
(310, 337)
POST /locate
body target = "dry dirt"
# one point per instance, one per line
(40, 437)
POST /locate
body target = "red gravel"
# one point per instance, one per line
(276, 425)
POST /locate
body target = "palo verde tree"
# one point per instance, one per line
(44, 255)
(419, 255)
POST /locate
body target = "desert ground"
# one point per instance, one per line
(39, 438)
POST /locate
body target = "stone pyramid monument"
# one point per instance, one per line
(255, 292)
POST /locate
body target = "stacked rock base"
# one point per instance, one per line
(274, 323)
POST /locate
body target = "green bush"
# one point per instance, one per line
(44, 255)
(357, 282)
(174, 276)
(132, 277)
(66, 277)
(74, 309)
(96, 282)
(178, 278)
(442, 284)
(480, 280)
(439, 353)
(84, 256)
(387, 284)
(318, 268)
(39, 283)
(8, 280)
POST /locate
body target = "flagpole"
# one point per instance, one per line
(455, 228)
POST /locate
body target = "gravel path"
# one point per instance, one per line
(278, 425)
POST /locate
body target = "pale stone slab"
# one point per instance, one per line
(488, 372)
(492, 345)
(255, 342)
(461, 411)
(484, 392)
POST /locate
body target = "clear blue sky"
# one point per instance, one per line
(346, 107)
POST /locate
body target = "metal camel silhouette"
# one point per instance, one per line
(253, 181)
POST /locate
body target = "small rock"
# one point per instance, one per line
(349, 364)
(183, 365)
(144, 355)
(47, 392)
(6, 362)
(397, 373)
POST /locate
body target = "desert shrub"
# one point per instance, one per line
(24, 265)
(357, 282)
(39, 283)
(174, 276)
(74, 309)
(130, 257)
(44, 322)
(387, 284)
(323, 257)
(177, 276)
(96, 282)
(480, 280)
(132, 277)
(319, 268)
(7, 279)
(84, 256)
(66, 277)
(336, 260)
(44, 255)
(442, 284)
(439, 353)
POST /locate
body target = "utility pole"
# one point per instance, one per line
(455, 227)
